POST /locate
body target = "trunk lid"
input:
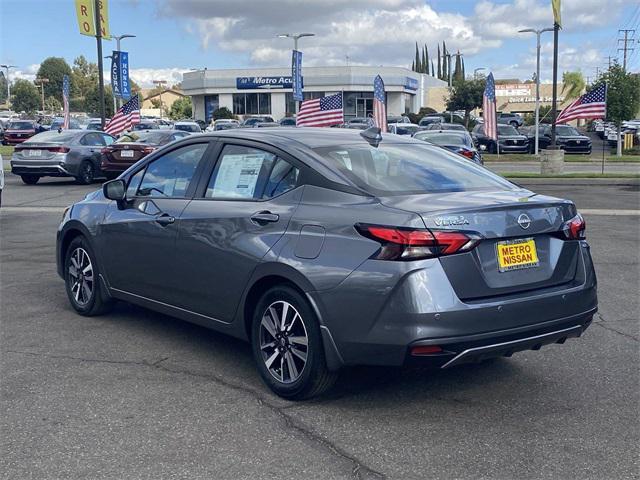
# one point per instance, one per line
(504, 219)
(39, 150)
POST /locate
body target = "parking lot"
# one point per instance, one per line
(135, 394)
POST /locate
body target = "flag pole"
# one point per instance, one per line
(604, 140)
(96, 6)
(554, 100)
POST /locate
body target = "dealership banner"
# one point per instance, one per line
(85, 14)
(296, 75)
(250, 83)
(120, 74)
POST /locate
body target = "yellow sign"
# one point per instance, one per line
(555, 5)
(513, 255)
(87, 19)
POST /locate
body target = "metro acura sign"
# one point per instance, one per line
(247, 83)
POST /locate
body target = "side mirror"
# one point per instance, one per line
(115, 190)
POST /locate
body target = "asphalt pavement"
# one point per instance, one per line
(138, 395)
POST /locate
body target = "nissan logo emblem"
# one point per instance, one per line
(524, 221)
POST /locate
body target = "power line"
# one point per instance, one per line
(627, 38)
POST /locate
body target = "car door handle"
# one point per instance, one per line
(264, 217)
(165, 219)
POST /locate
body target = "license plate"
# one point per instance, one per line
(126, 153)
(34, 153)
(517, 254)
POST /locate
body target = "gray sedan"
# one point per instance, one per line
(333, 247)
(66, 153)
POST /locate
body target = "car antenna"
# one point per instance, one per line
(372, 135)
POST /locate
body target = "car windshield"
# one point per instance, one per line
(52, 137)
(409, 168)
(507, 130)
(20, 126)
(185, 127)
(566, 130)
(444, 138)
(155, 138)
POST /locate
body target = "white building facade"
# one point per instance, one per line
(268, 91)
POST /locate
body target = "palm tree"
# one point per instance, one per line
(573, 85)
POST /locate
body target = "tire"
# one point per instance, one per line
(274, 348)
(84, 289)
(86, 173)
(492, 148)
(30, 179)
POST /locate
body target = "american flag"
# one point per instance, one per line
(379, 107)
(125, 117)
(321, 112)
(489, 108)
(65, 99)
(590, 105)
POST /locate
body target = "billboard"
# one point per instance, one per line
(120, 74)
(248, 83)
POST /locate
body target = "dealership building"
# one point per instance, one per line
(268, 91)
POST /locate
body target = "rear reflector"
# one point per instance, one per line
(412, 244)
(466, 153)
(425, 350)
(575, 228)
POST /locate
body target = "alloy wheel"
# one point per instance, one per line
(87, 172)
(81, 276)
(284, 343)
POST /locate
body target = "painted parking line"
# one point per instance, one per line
(31, 209)
(604, 211)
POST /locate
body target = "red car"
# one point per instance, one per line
(18, 131)
(133, 146)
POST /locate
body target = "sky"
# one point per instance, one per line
(174, 36)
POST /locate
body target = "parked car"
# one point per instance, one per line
(429, 119)
(288, 122)
(69, 153)
(512, 119)
(163, 124)
(267, 124)
(459, 142)
(94, 124)
(187, 126)
(133, 146)
(58, 122)
(509, 139)
(399, 119)
(18, 131)
(202, 124)
(281, 246)
(223, 124)
(251, 122)
(567, 138)
(403, 128)
(146, 125)
(446, 126)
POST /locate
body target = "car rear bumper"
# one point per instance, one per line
(40, 168)
(14, 141)
(422, 308)
(514, 148)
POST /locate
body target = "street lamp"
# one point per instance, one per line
(7, 67)
(538, 33)
(118, 38)
(295, 37)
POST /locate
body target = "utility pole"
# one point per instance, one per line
(41, 82)
(626, 49)
(609, 60)
(160, 83)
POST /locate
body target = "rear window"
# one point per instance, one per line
(412, 168)
(52, 137)
(154, 138)
(20, 126)
(443, 138)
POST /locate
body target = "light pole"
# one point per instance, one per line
(295, 37)
(159, 83)
(41, 82)
(118, 38)
(7, 67)
(538, 33)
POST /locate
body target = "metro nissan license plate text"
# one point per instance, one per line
(516, 254)
(127, 153)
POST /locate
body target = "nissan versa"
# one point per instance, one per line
(333, 247)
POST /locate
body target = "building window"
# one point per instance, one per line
(358, 104)
(290, 104)
(211, 104)
(252, 103)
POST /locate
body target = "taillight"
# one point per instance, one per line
(466, 153)
(575, 228)
(105, 150)
(398, 243)
(147, 150)
(59, 149)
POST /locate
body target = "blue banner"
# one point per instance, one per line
(124, 75)
(296, 75)
(116, 87)
(246, 83)
(410, 83)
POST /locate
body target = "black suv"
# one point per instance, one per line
(512, 119)
(567, 138)
(509, 139)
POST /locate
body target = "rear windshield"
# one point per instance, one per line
(143, 137)
(52, 137)
(411, 168)
(20, 126)
(448, 138)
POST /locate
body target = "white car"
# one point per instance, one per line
(223, 124)
(186, 126)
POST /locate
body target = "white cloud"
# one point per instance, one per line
(27, 73)
(145, 76)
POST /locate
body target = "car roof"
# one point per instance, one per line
(185, 122)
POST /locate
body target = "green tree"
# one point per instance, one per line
(439, 64)
(54, 68)
(3, 88)
(466, 95)
(458, 74)
(181, 108)
(417, 60)
(24, 96)
(92, 101)
(623, 96)
(573, 84)
(53, 105)
(222, 112)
